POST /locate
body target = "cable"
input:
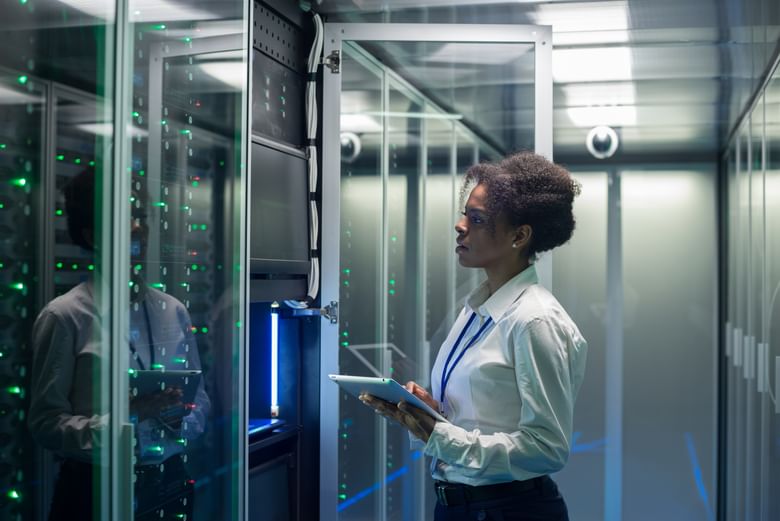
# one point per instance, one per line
(311, 135)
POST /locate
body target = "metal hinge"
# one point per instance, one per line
(330, 312)
(333, 61)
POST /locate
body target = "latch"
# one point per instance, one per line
(333, 61)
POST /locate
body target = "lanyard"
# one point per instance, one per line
(445, 375)
(149, 337)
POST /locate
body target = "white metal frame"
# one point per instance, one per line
(335, 35)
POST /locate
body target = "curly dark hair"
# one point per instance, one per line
(526, 188)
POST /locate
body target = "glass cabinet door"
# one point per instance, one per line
(390, 203)
(183, 183)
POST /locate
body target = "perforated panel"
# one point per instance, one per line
(278, 38)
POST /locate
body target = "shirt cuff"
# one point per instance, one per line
(438, 440)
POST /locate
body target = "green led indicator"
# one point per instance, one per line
(156, 448)
(221, 163)
(60, 157)
(131, 372)
(392, 282)
(393, 238)
(17, 286)
(158, 27)
(22, 80)
(185, 207)
(238, 324)
(137, 267)
(59, 265)
(392, 292)
(347, 271)
(342, 496)
(131, 283)
(185, 132)
(91, 163)
(184, 284)
(345, 343)
(2, 206)
(91, 267)
(13, 494)
(135, 114)
(59, 212)
(77, 160)
(2, 146)
(344, 436)
(179, 360)
(346, 283)
(203, 227)
(345, 334)
(19, 181)
(158, 366)
(159, 204)
(158, 285)
(2, 265)
(132, 199)
(14, 389)
(142, 173)
(204, 330)
(182, 441)
(194, 267)
(181, 516)
(343, 486)
(186, 39)
(195, 184)
(74, 266)
(164, 122)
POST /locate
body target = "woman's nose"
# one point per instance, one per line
(460, 226)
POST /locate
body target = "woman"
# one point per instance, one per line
(508, 373)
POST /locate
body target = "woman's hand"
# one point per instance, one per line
(422, 394)
(416, 421)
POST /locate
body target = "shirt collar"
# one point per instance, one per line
(496, 304)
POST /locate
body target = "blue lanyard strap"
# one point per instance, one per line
(445, 375)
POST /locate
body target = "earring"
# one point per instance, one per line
(514, 245)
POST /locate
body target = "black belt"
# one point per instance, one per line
(453, 494)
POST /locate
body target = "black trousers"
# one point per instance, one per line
(542, 503)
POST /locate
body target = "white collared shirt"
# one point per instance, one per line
(510, 399)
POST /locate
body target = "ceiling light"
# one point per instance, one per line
(613, 116)
(359, 123)
(591, 64)
(479, 53)
(584, 23)
(233, 73)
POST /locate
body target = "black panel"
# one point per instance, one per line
(277, 101)
(279, 241)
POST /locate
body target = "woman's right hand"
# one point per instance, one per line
(422, 394)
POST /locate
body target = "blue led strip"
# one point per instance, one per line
(274, 363)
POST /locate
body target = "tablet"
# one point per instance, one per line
(148, 381)
(384, 388)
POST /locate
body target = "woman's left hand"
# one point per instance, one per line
(415, 420)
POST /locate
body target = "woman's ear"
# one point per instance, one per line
(523, 236)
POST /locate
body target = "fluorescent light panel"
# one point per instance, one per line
(274, 364)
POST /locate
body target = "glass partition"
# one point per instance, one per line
(399, 194)
(121, 291)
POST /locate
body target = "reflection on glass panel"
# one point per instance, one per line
(731, 474)
(488, 85)
(184, 331)
(54, 158)
(580, 285)
(772, 455)
(674, 447)
(361, 299)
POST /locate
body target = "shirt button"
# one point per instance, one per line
(481, 515)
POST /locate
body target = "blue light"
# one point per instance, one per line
(274, 363)
(376, 486)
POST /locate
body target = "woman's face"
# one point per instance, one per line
(481, 245)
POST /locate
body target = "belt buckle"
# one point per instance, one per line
(441, 494)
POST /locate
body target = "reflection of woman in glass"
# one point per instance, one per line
(65, 413)
(509, 371)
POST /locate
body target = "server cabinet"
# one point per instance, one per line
(392, 164)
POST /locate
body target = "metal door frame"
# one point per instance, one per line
(335, 35)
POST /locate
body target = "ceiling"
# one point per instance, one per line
(670, 76)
